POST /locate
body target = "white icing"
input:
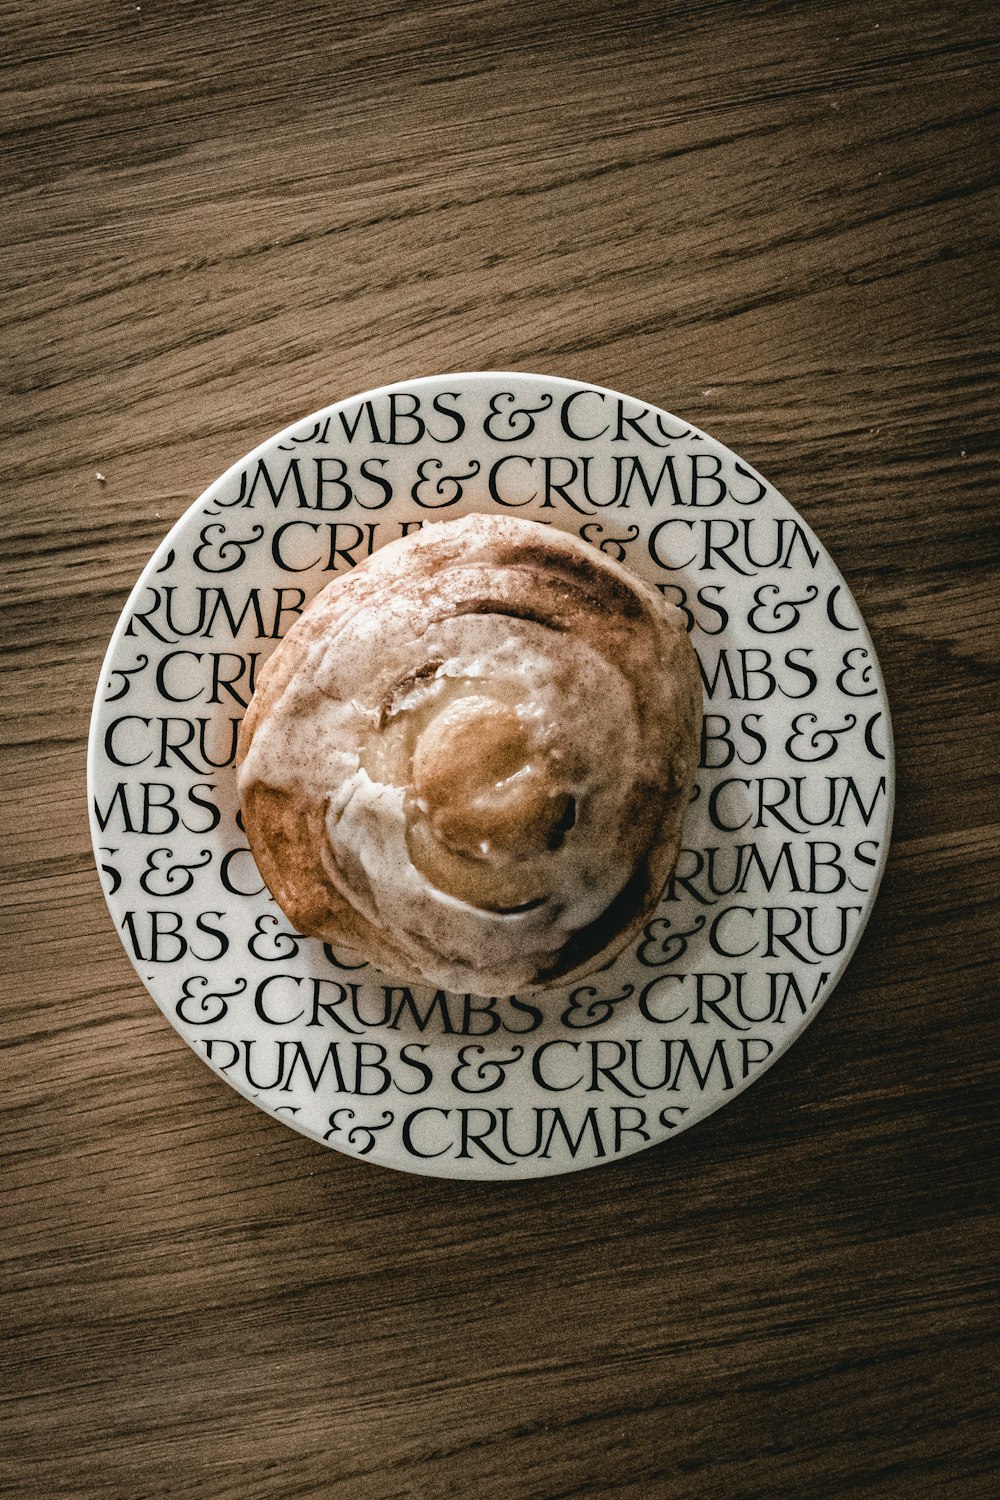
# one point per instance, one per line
(330, 740)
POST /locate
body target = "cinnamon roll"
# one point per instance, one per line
(469, 759)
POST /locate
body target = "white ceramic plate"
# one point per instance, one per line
(785, 841)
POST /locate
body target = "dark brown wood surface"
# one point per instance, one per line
(776, 220)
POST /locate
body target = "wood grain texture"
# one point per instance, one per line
(777, 220)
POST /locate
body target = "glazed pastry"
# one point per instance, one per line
(469, 759)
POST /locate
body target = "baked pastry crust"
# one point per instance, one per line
(470, 757)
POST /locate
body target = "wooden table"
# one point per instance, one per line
(773, 219)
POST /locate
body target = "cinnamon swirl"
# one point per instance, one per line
(469, 759)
